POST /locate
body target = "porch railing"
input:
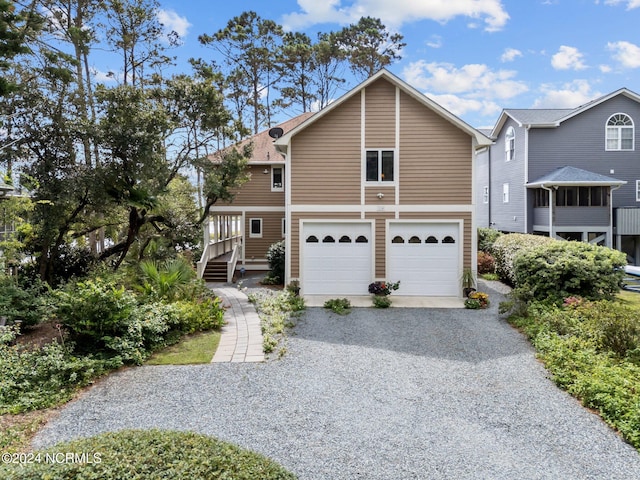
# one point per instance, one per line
(216, 249)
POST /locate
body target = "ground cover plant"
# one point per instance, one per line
(149, 455)
(277, 311)
(592, 349)
(341, 306)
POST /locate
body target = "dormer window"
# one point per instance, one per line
(619, 132)
(509, 144)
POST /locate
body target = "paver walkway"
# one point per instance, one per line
(241, 339)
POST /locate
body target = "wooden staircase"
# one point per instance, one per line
(216, 270)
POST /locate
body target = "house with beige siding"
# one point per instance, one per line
(379, 186)
(239, 233)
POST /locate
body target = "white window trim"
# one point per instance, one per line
(395, 167)
(637, 190)
(251, 234)
(485, 194)
(509, 138)
(505, 193)
(284, 227)
(619, 147)
(274, 188)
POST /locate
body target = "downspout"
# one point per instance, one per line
(550, 190)
(490, 185)
(526, 178)
(610, 233)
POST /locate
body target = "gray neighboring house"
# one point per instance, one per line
(572, 174)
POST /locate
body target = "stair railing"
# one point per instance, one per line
(215, 249)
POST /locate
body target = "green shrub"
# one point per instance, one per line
(486, 239)
(381, 301)
(276, 259)
(32, 379)
(275, 311)
(486, 263)
(28, 304)
(558, 269)
(507, 247)
(150, 455)
(199, 315)
(95, 311)
(341, 306)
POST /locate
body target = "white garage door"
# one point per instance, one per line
(425, 258)
(336, 258)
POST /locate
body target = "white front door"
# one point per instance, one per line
(336, 258)
(425, 257)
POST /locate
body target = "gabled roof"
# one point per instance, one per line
(572, 176)
(283, 142)
(264, 152)
(551, 118)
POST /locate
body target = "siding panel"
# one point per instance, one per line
(327, 157)
(257, 191)
(435, 158)
(256, 248)
(380, 115)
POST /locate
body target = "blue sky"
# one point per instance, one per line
(474, 57)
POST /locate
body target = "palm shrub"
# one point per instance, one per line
(557, 270)
(166, 280)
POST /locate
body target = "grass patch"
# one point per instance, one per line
(192, 349)
(150, 455)
(629, 298)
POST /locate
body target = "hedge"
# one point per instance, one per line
(506, 248)
(149, 455)
(556, 270)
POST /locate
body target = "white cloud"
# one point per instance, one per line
(568, 95)
(460, 106)
(631, 4)
(435, 42)
(470, 88)
(605, 68)
(104, 77)
(568, 58)
(628, 54)
(510, 54)
(477, 80)
(173, 22)
(394, 14)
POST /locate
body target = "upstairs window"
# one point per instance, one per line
(277, 180)
(505, 193)
(509, 144)
(637, 190)
(619, 132)
(485, 194)
(379, 165)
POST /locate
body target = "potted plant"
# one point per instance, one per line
(294, 288)
(383, 288)
(468, 282)
(477, 300)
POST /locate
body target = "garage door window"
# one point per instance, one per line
(362, 239)
(345, 239)
(328, 239)
(431, 239)
(397, 239)
(312, 239)
(448, 239)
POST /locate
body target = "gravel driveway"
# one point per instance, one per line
(395, 394)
